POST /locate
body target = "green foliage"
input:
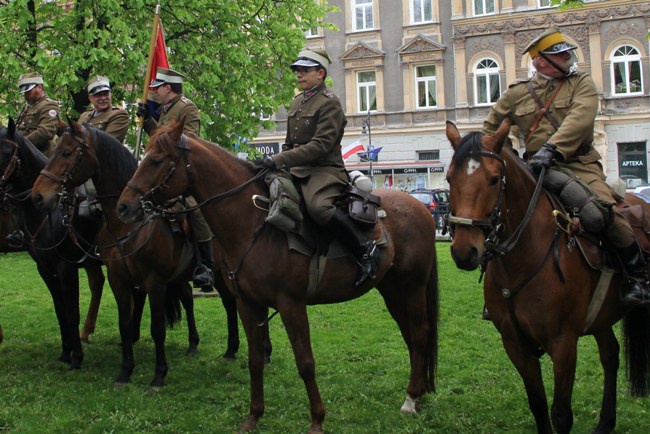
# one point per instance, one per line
(361, 366)
(234, 53)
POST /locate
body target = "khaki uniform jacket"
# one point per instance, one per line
(114, 121)
(312, 150)
(179, 108)
(574, 108)
(315, 126)
(39, 122)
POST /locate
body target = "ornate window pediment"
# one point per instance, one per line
(420, 44)
(362, 51)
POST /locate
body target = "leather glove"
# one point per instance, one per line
(544, 157)
(264, 163)
(143, 110)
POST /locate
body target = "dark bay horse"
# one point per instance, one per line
(152, 257)
(58, 257)
(264, 273)
(540, 291)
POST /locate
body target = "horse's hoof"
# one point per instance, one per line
(229, 356)
(316, 430)
(65, 358)
(248, 426)
(119, 384)
(411, 405)
(155, 389)
(192, 351)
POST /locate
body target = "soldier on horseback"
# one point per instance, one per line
(175, 106)
(312, 154)
(556, 110)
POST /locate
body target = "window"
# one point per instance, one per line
(425, 86)
(421, 11)
(362, 14)
(483, 7)
(543, 3)
(626, 71)
(428, 155)
(633, 164)
(311, 32)
(487, 85)
(366, 91)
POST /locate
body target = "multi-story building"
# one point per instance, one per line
(404, 67)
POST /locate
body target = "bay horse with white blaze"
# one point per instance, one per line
(539, 289)
(264, 273)
(152, 258)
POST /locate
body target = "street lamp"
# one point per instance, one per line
(365, 123)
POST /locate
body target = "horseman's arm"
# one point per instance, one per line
(192, 120)
(498, 112)
(578, 126)
(118, 125)
(48, 123)
(329, 128)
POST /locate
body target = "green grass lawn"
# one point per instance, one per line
(361, 364)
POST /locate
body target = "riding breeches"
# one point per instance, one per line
(199, 226)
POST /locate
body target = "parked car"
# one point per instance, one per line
(643, 191)
(437, 202)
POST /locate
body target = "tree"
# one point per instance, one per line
(234, 53)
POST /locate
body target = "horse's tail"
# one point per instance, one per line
(173, 310)
(433, 314)
(636, 333)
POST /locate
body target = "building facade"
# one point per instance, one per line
(404, 67)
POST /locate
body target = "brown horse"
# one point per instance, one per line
(264, 273)
(151, 258)
(57, 256)
(539, 289)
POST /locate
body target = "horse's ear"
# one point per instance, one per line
(497, 139)
(75, 126)
(452, 134)
(176, 130)
(11, 128)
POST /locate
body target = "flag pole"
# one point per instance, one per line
(147, 77)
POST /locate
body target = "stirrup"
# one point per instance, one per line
(202, 277)
(16, 238)
(638, 293)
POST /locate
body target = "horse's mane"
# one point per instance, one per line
(113, 153)
(27, 148)
(168, 146)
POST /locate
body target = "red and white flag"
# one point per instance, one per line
(352, 149)
(159, 54)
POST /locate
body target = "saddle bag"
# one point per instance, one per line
(362, 206)
(579, 198)
(284, 213)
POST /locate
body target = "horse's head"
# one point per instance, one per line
(157, 178)
(477, 191)
(8, 147)
(72, 163)
(20, 160)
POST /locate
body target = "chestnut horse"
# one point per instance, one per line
(57, 256)
(539, 289)
(264, 273)
(151, 258)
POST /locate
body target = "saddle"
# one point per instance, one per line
(593, 247)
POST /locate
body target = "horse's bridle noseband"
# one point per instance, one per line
(490, 226)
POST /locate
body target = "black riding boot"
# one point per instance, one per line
(203, 275)
(637, 291)
(16, 238)
(358, 243)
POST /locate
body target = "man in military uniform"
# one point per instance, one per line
(104, 115)
(174, 106)
(312, 154)
(563, 136)
(39, 119)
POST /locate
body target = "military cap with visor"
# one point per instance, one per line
(550, 42)
(165, 75)
(311, 58)
(98, 84)
(28, 81)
